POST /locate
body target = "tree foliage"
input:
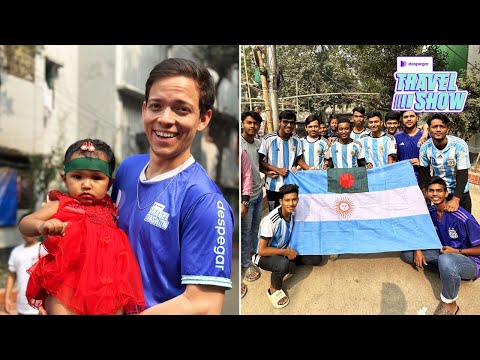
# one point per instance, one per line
(219, 58)
(310, 69)
(467, 123)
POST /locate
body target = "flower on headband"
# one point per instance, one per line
(87, 146)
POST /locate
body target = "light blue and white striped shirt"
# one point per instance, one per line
(345, 156)
(276, 229)
(280, 153)
(377, 149)
(314, 150)
(445, 163)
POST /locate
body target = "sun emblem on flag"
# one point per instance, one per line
(344, 207)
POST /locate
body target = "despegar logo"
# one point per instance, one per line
(219, 249)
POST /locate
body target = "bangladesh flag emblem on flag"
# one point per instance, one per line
(350, 180)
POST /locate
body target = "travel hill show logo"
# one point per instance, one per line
(418, 88)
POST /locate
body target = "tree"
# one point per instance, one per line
(219, 58)
(374, 65)
(467, 123)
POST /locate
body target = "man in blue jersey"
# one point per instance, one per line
(178, 222)
(273, 253)
(459, 257)
(449, 158)
(410, 139)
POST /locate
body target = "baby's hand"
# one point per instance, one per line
(53, 227)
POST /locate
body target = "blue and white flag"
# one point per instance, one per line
(356, 210)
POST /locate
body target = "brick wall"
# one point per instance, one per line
(474, 178)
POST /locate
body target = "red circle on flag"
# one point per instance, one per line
(347, 180)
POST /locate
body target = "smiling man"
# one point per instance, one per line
(449, 158)
(178, 222)
(274, 253)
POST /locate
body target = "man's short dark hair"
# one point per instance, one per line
(256, 116)
(184, 67)
(311, 118)
(287, 115)
(344, 120)
(392, 115)
(288, 189)
(437, 180)
(444, 118)
(373, 113)
(360, 109)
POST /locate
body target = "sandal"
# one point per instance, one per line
(276, 297)
(441, 310)
(252, 273)
(243, 290)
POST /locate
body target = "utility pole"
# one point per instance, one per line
(246, 78)
(261, 66)
(273, 84)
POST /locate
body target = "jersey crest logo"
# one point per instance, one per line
(452, 233)
(157, 217)
(381, 148)
(451, 162)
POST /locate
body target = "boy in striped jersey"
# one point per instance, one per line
(346, 152)
(314, 145)
(380, 148)
(449, 158)
(279, 152)
(273, 253)
(358, 119)
(459, 257)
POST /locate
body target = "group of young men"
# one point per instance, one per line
(440, 163)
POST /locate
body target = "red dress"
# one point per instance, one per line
(92, 269)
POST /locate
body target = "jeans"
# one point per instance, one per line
(281, 266)
(249, 224)
(452, 268)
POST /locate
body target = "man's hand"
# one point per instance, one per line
(291, 253)
(8, 306)
(282, 171)
(414, 161)
(243, 210)
(419, 259)
(453, 204)
(272, 174)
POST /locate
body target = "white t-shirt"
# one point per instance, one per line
(20, 260)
